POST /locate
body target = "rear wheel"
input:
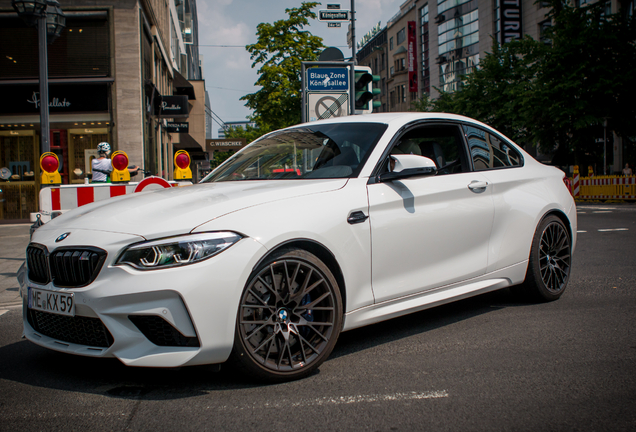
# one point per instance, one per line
(550, 260)
(289, 318)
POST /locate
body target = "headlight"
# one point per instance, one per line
(177, 251)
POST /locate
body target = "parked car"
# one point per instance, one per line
(309, 231)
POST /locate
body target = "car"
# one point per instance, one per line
(308, 231)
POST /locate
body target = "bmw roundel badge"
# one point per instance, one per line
(62, 237)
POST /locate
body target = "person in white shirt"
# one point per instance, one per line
(101, 165)
(627, 171)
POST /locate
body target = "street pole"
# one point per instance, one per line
(44, 86)
(604, 147)
(352, 72)
(353, 32)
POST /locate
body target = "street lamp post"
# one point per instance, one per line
(49, 18)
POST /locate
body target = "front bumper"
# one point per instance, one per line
(197, 305)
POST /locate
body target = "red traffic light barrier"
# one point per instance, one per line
(119, 160)
(182, 169)
(49, 164)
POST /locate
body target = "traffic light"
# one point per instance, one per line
(120, 173)
(182, 169)
(364, 90)
(49, 163)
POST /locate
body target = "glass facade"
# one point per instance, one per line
(426, 71)
(454, 35)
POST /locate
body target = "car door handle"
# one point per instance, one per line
(478, 186)
(356, 217)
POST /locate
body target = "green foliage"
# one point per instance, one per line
(556, 95)
(280, 49)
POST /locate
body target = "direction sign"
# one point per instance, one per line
(327, 105)
(327, 79)
(334, 24)
(333, 15)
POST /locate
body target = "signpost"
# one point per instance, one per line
(327, 79)
(326, 105)
(333, 15)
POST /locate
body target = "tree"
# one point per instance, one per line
(280, 49)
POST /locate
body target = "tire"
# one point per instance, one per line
(289, 317)
(550, 261)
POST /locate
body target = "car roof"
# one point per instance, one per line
(399, 117)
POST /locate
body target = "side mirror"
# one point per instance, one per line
(405, 166)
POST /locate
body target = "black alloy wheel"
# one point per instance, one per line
(550, 260)
(289, 318)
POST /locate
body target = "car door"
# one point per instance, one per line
(428, 232)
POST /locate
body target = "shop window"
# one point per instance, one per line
(82, 50)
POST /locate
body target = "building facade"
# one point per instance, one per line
(114, 74)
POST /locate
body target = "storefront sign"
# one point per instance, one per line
(225, 144)
(173, 106)
(412, 53)
(173, 127)
(510, 19)
(63, 98)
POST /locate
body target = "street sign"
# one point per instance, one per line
(327, 79)
(333, 15)
(327, 105)
(333, 24)
(333, 6)
(175, 127)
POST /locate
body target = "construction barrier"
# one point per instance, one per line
(58, 199)
(604, 187)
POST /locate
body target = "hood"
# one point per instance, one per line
(161, 213)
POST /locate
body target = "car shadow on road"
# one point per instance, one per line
(26, 363)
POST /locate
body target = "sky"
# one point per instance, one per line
(227, 26)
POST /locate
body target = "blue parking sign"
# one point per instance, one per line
(328, 79)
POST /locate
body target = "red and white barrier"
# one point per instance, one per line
(67, 197)
(576, 186)
(610, 187)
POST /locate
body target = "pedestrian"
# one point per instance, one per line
(101, 166)
(627, 171)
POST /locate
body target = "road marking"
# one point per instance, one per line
(346, 400)
(580, 212)
(613, 229)
(581, 231)
(2, 312)
(597, 212)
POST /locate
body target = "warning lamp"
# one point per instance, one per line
(120, 173)
(182, 169)
(49, 163)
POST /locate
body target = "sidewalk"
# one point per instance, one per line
(13, 242)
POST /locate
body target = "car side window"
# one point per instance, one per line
(442, 144)
(488, 151)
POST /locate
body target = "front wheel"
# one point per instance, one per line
(289, 318)
(550, 260)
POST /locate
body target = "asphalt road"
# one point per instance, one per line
(488, 363)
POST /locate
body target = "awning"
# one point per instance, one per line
(186, 142)
(182, 86)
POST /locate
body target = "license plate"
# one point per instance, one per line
(51, 301)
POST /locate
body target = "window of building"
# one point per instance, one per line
(459, 32)
(444, 5)
(543, 27)
(390, 44)
(382, 65)
(401, 36)
(426, 80)
(82, 50)
(403, 99)
(489, 151)
(450, 73)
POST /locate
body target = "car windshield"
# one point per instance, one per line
(309, 152)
